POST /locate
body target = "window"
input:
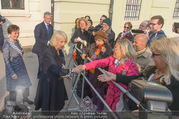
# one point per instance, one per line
(12, 4)
(132, 9)
(176, 10)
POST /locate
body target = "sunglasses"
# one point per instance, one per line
(153, 54)
(126, 27)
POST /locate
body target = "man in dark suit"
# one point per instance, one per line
(42, 33)
(2, 20)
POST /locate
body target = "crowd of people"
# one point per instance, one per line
(144, 53)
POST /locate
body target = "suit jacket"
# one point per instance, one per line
(51, 93)
(41, 38)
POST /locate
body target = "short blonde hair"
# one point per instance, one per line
(58, 35)
(127, 49)
(82, 19)
(169, 52)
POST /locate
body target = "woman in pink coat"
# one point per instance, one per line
(121, 62)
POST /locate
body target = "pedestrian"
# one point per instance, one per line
(42, 33)
(16, 74)
(51, 93)
(96, 51)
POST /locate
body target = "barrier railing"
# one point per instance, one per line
(73, 88)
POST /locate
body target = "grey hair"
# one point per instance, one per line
(47, 13)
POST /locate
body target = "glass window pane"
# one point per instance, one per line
(133, 9)
(12, 4)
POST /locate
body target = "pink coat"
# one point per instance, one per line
(113, 93)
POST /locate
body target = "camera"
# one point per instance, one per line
(93, 29)
(137, 31)
(2, 19)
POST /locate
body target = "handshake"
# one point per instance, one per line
(79, 69)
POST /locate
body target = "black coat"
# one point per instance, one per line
(86, 36)
(1, 37)
(41, 38)
(51, 93)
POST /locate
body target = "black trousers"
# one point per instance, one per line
(1, 38)
(39, 75)
(13, 94)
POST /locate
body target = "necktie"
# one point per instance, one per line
(48, 31)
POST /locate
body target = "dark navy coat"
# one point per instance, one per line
(51, 93)
(41, 38)
(1, 37)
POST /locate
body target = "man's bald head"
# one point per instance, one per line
(140, 42)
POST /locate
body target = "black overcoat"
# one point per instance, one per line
(51, 93)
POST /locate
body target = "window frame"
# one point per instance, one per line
(176, 10)
(16, 12)
(130, 6)
(12, 1)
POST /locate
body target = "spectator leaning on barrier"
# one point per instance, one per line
(82, 33)
(156, 24)
(99, 26)
(121, 62)
(106, 27)
(96, 51)
(126, 34)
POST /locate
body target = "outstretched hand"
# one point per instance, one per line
(83, 67)
(107, 76)
(77, 69)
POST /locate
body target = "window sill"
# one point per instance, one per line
(14, 13)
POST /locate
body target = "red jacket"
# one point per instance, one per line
(113, 93)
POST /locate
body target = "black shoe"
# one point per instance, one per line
(28, 101)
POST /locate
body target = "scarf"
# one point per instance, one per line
(141, 51)
(94, 56)
(123, 34)
(19, 50)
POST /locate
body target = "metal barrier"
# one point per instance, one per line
(73, 89)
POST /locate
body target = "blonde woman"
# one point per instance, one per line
(121, 62)
(165, 53)
(51, 93)
(81, 32)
